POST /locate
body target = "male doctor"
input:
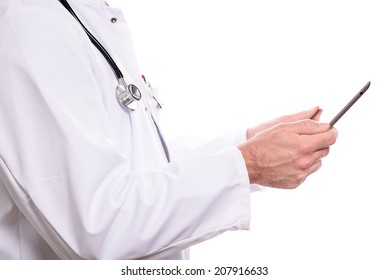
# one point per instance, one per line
(82, 177)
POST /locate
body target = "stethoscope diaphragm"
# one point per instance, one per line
(128, 95)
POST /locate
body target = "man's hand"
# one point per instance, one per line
(313, 114)
(283, 155)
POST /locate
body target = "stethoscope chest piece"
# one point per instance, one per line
(128, 96)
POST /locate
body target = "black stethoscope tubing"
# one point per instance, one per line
(127, 95)
(95, 42)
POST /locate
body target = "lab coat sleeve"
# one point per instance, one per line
(61, 165)
(186, 145)
(191, 145)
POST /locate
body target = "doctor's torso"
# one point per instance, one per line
(82, 177)
(134, 135)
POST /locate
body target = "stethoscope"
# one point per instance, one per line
(127, 95)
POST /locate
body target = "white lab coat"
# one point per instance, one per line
(81, 178)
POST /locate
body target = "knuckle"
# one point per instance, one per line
(304, 148)
(303, 164)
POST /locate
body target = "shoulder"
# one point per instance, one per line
(37, 24)
(28, 13)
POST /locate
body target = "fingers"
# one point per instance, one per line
(315, 167)
(317, 115)
(305, 163)
(313, 113)
(317, 160)
(286, 154)
(309, 166)
(322, 140)
(316, 135)
(308, 127)
(318, 155)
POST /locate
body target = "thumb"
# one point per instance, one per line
(307, 127)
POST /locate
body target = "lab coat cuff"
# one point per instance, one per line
(245, 183)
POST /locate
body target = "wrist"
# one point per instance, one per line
(249, 160)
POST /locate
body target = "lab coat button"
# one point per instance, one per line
(114, 20)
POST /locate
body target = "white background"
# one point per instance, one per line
(223, 65)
